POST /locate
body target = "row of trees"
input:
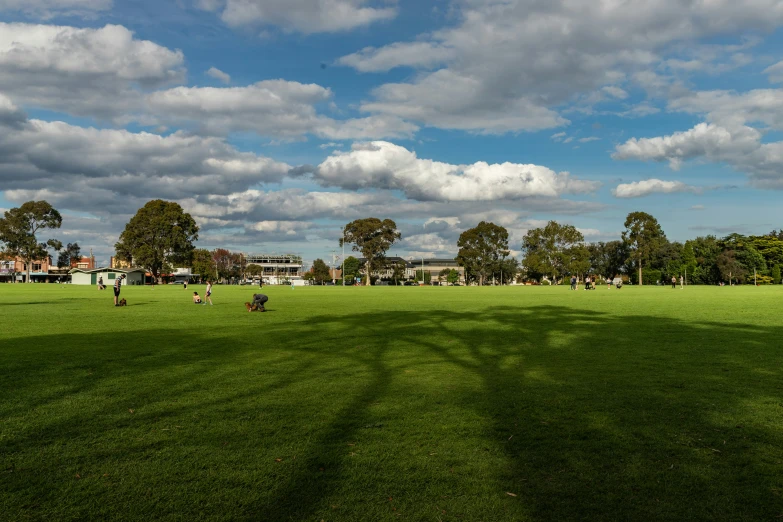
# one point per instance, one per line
(644, 254)
(555, 251)
(161, 235)
(18, 235)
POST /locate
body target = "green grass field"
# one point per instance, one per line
(365, 404)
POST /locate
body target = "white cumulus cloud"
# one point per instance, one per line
(99, 169)
(739, 146)
(303, 16)
(87, 72)
(277, 108)
(216, 73)
(651, 186)
(384, 165)
(413, 54)
(705, 139)
(511, 65)
(775, 72)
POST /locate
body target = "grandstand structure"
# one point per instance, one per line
(277, 268)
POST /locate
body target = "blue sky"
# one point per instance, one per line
(275, 122)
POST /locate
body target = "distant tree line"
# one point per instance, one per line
(645, 256)
(161, 236)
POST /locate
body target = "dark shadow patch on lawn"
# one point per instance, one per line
(588, 441)
(620, 420)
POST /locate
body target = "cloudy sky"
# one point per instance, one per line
(275, 122)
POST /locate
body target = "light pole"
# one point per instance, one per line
(423, 281)
(332, 273)
(342, 269)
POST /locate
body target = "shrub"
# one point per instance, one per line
(761, 280)
(775, 274)
(649, 276)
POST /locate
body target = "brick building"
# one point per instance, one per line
(39, 270)
(84, 262)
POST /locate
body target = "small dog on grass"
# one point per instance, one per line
(254, 308)
(122, 302)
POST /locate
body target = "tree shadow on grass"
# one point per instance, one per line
(643, 418)
(651, 418)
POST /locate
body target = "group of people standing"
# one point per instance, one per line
(589, 283)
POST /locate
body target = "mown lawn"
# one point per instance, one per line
(365, 404)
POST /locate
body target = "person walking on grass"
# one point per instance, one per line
(100, 283)
(208, 297)
(573, 282)
(682, 283)
(117, 286)
(674, 282)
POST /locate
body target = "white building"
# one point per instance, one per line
(80, 276)
(183, 275)
(277, 268)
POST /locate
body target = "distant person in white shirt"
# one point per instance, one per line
(208, 297)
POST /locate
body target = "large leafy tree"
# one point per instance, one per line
(688, 261)
(223, 261)
(668, 259)
(320, 271)
(373, 238)
(608, 259)
(254, 270)
(554, 250)
(506, 270)
(56, 246)
(730, 267)
(745, 253)
(398, 269)
(577, 259)
(71, 253)
(706, 251)
(158, 237)
(482, 248)
(202, 263)
(644, 236)
(771, 247)
(237, 267)
(351, 268)
(18, 229)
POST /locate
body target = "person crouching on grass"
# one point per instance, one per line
(258, 302)
(117, 286)
(196, 298)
